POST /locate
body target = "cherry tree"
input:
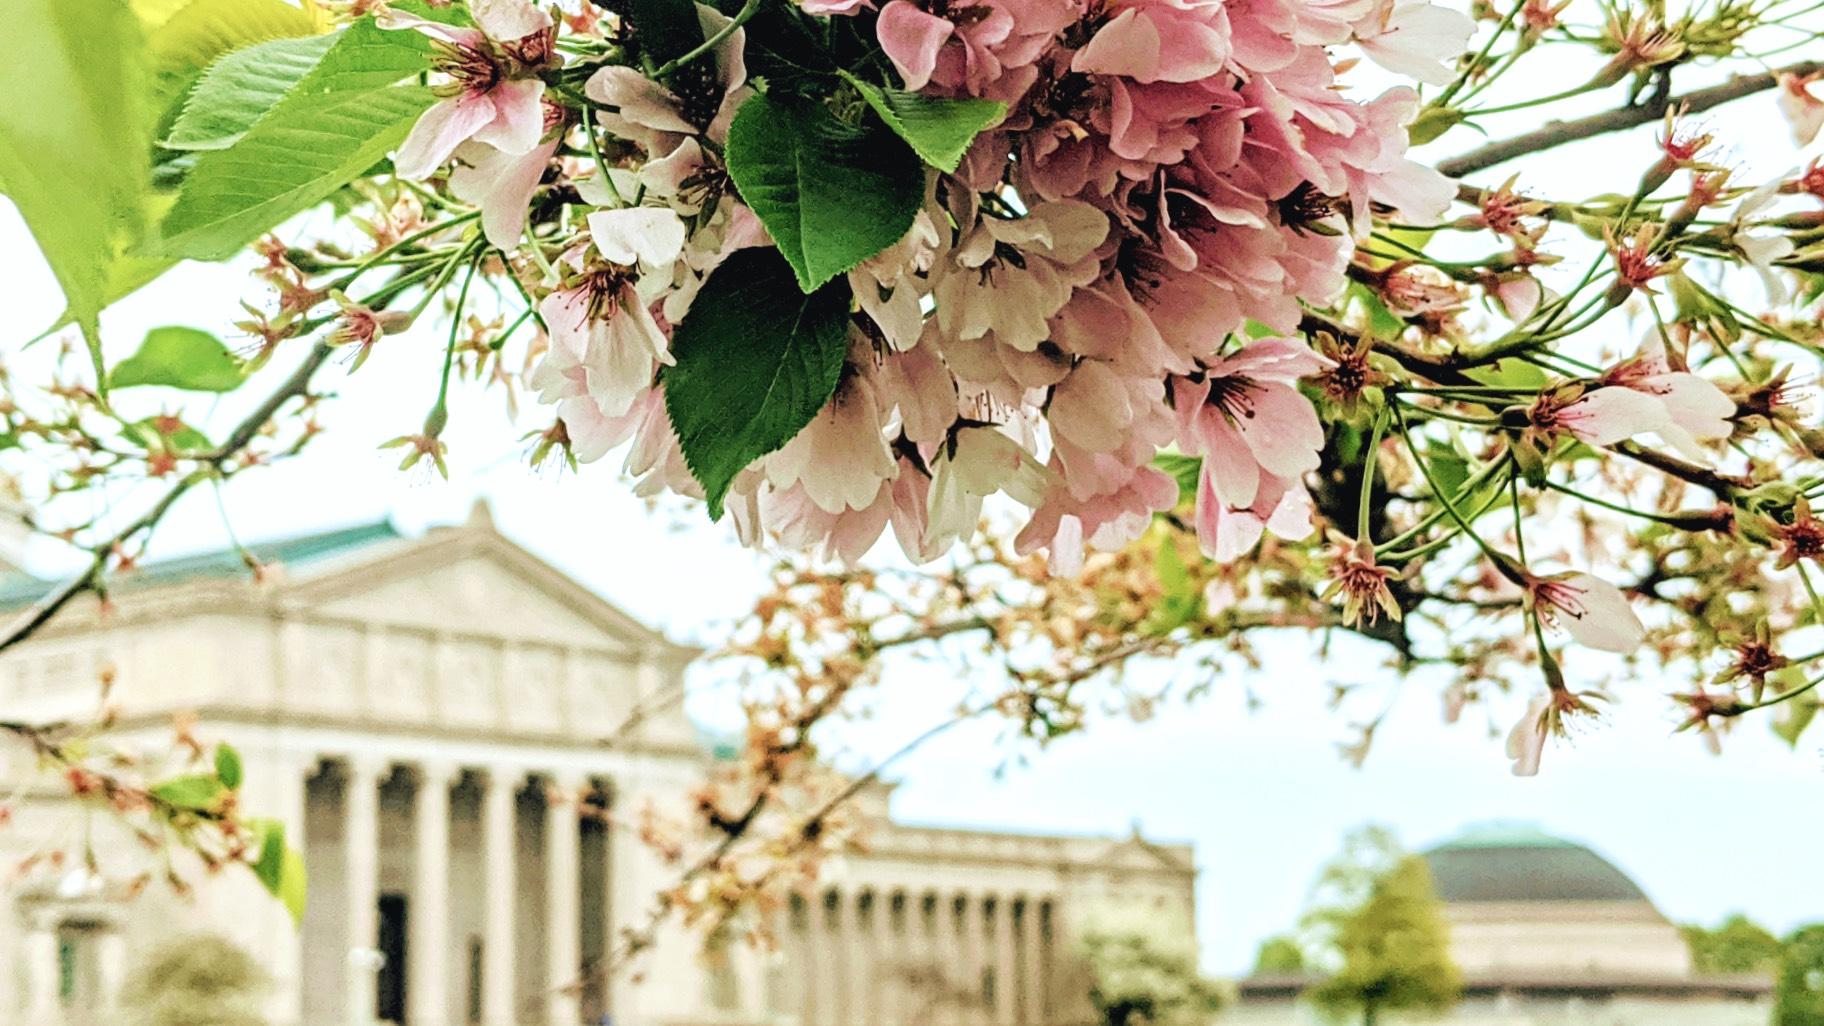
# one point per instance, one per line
(1141, 326)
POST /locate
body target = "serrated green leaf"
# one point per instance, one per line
(756, 360)
(195, 791)
(183, 38)
(240, 88)
(228, 765)
(338, 121)
(830, 194)
(939, 129)
(75, 141)
(185, 358)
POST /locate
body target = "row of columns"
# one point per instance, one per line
(880, 957)
(429, 979)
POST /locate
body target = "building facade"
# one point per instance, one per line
(412, 709)
(1547, 933)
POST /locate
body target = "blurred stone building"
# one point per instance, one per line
(1547, 933)
(407, 706)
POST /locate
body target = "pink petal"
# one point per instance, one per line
(507, 20)
(501, 185)
(912, 39)
(519, 116)
(446, 125)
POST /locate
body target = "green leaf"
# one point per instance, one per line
(756, 360)
(228, 765)
(166, 434)
(831, 195)
(1449, 468)
(335, 124)
(240, 88)
(939, 129)
(1184, 469)
(280, 868)
(293, 883)
(196, 791)
(1180, 600)
(271, 863)
(75, 142)
(185, 358)
(184, 36)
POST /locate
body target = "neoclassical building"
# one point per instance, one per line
(1548, 933)
(411, 707)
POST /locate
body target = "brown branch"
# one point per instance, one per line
(1558, 133)
(243, 434)
(1723, 485)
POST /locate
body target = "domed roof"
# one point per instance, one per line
(1513, 862)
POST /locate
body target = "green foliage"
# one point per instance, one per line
(831, 195)
(1144, 973)
(937, 128)
(756, 360)
(1798, 996)
(197, 792)
(1180, 600)
(1184, 469)
(198, 980)
(183, 358)
(1279, 954)
(340, 119)
(228, 765)
(280, 868)
(1383, 934)
(240, 88)
(1739, 945)
(184, 36)
(75, 142)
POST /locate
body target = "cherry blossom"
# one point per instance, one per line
(492, 99)
(1592, 610)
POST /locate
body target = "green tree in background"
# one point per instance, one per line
(1279, 954)
(1379, 924)
(198, 980)
(1739, 945)
(1799, 992)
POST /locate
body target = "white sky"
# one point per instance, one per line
(1262, 794)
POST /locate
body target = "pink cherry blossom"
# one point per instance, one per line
(840, 460)
(1694, 409)
(1804, 110)
(494, 96)
(501, 184)
(658, 119)
(1159, 41)
(1526, 741)
(1594, 611)
(1007, 276)
(985, 48)
(1601, 416)
(1247, 419)
(975, 463)
(1415, 38)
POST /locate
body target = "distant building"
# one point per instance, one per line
(1548, 933)
(406, 706)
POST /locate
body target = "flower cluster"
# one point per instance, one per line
(1117, 262)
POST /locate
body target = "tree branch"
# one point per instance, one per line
(243, 434)
(1558, 133)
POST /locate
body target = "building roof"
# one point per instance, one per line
(1514, 862)
(295, 551)
(1267, 988)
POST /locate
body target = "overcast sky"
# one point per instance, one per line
(1262, 794)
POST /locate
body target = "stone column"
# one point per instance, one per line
(498, 805)
(111, 966)
(428, 988)
(858, 965)
(888, 985)
(361, 804)
(1006, 964)
(39, 950)
(291, 805)
(971, 946)
(563, 950)
(1032, 973)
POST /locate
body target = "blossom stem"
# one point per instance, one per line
(595, 151)
(1437, 491)
(746, 13)
(1371, 461)
(1470, 484)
